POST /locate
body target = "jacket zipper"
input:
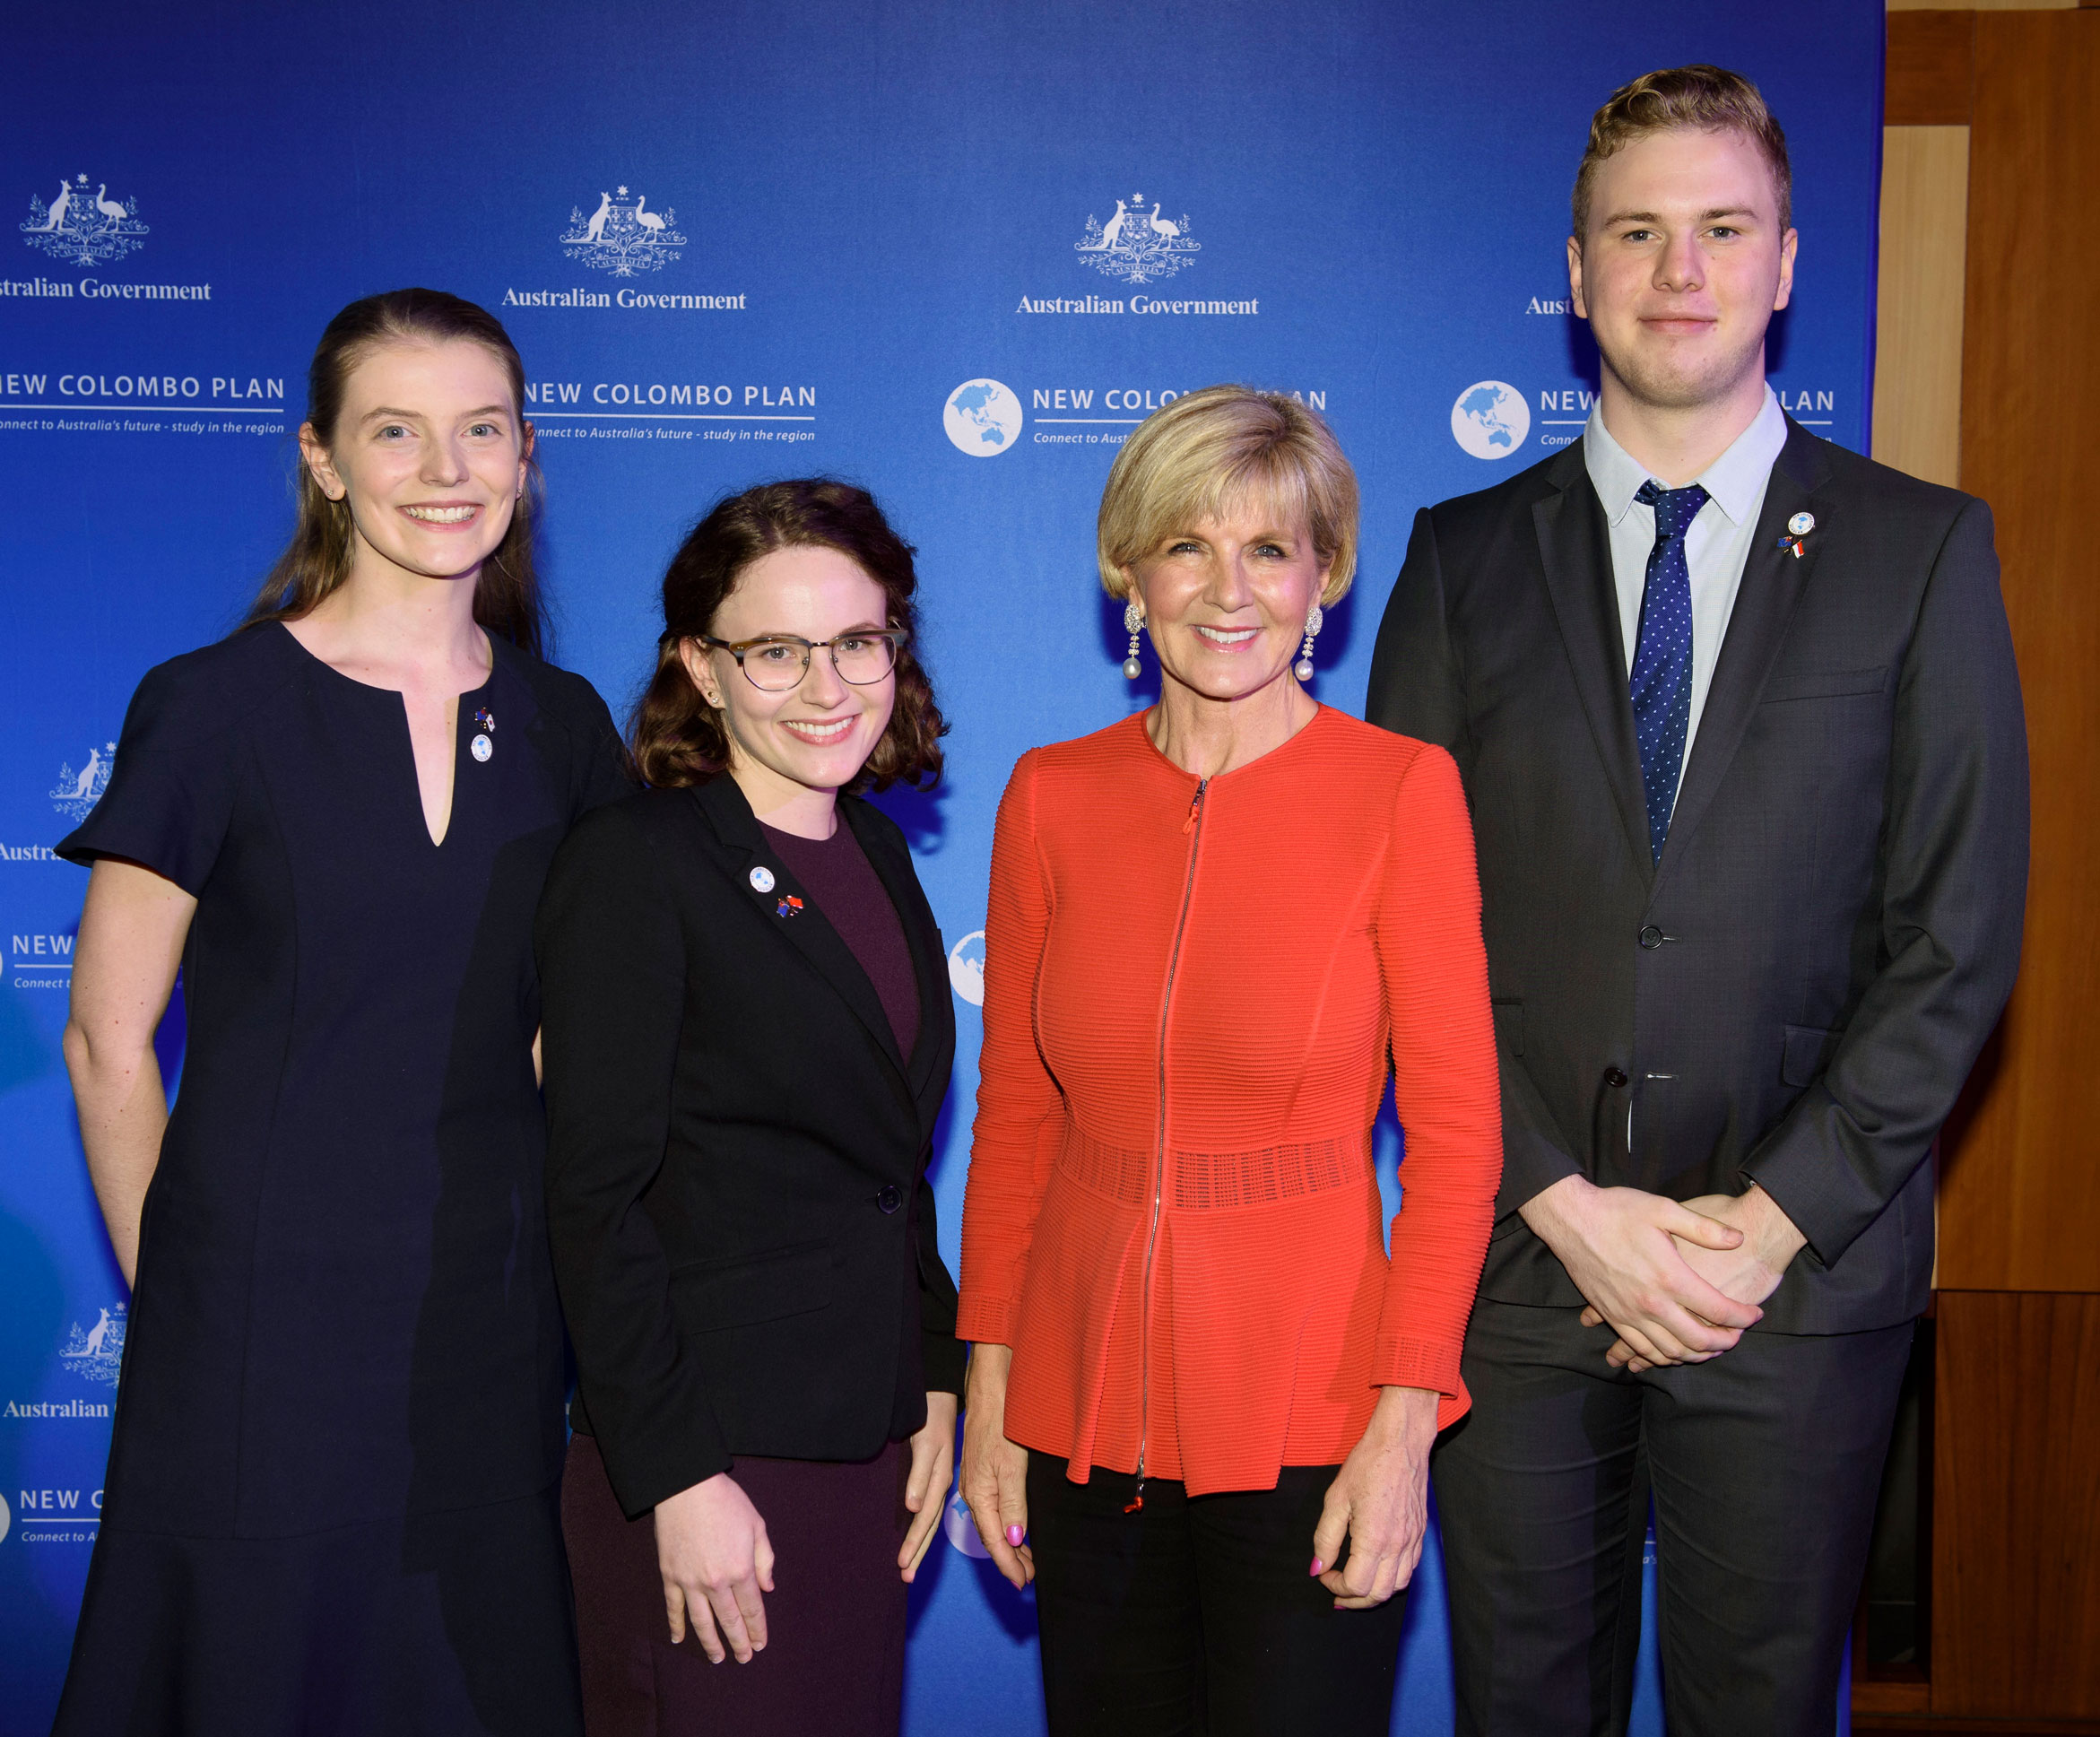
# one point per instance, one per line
(1194, 825)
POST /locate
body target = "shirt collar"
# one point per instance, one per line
(1735, 481)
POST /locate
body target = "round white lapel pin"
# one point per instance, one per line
(481, 748)
(762, 878)
(1801, 524)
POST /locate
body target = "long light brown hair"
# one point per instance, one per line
(318, 559)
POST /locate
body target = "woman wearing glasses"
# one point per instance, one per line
(746, 1038)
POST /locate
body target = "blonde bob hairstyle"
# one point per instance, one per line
(1209, 452)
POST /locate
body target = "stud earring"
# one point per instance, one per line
(1302, 668)
(1133, 621)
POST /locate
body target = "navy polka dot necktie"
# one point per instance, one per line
(1661, 679)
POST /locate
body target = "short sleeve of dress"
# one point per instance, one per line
(170, 793)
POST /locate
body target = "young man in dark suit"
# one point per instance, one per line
(1740, 728)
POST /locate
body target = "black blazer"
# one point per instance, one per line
(1795, 993)
(742, 1228)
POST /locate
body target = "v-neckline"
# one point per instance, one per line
(435, 841)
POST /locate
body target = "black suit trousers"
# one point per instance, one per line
(1762, 1465)
(1198, 1616)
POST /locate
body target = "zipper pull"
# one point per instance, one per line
(1188, 826)
(1137, 1507)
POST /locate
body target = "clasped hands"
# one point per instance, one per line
(1680, 1281)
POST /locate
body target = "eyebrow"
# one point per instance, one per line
(418, 416)
(858, 627)
(1707, 216)
(1273, 534)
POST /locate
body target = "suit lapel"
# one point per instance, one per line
(1575, 549)
(929, 962)
(1772, 582)
(805, 928)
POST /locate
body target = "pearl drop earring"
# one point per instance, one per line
(1133, 621)
(1302, 668)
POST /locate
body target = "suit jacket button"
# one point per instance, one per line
(1615, 1077)
(891, 1198)
(1650, 936)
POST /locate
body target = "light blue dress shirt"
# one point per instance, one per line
(1716, 546)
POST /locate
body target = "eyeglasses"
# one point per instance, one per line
(779, 661)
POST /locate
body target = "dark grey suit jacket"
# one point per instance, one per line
(1795, 993)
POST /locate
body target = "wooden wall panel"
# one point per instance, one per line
(2016, 1529)
(2020, 1190)
(1992, 6)
(1929, 69)
(1918, 317)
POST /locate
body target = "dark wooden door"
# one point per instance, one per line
(2016, 1501)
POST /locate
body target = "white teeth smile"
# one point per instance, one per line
(1236, 636)
(441, 515)
(821, 732)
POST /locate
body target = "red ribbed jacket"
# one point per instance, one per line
(1190, 990)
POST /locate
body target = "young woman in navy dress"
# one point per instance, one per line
(332, 1491)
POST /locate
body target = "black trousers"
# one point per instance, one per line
(1763, 1463)
(1197, 1615)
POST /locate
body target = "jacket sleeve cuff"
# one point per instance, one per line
(1530, 1166)
(1804, 1168)
(985, 1320)
(1416, 1363)
(944, 1358)
(648, 1465)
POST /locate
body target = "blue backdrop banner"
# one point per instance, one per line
(953, 251)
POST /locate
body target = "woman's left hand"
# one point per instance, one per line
(1380, 1502)
(933, 1470)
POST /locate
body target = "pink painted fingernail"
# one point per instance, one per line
(1318, 1567)
(1014, 1535)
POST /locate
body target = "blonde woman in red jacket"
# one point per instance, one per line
(1195, 1370)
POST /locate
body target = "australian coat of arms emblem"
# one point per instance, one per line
(97, 1352)
(76, 793)
(83, 227)
(623, 236)
(1137, 246)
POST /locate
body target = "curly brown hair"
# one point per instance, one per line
(678, 738)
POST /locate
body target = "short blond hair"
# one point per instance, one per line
(1206, 450)
(1708, 99)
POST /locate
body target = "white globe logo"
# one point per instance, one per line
(966, 967)
(1490, 418)
(962, 1531)
(983, 418)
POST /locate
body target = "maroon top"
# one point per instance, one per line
(855, 902)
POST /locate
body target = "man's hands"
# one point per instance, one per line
(1747, 1273)
(925, 1492)
(995, 1472)
(714, 1558)
(1627, 1253)
(1379, 1501)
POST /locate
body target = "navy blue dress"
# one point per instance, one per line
(332, 1500)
